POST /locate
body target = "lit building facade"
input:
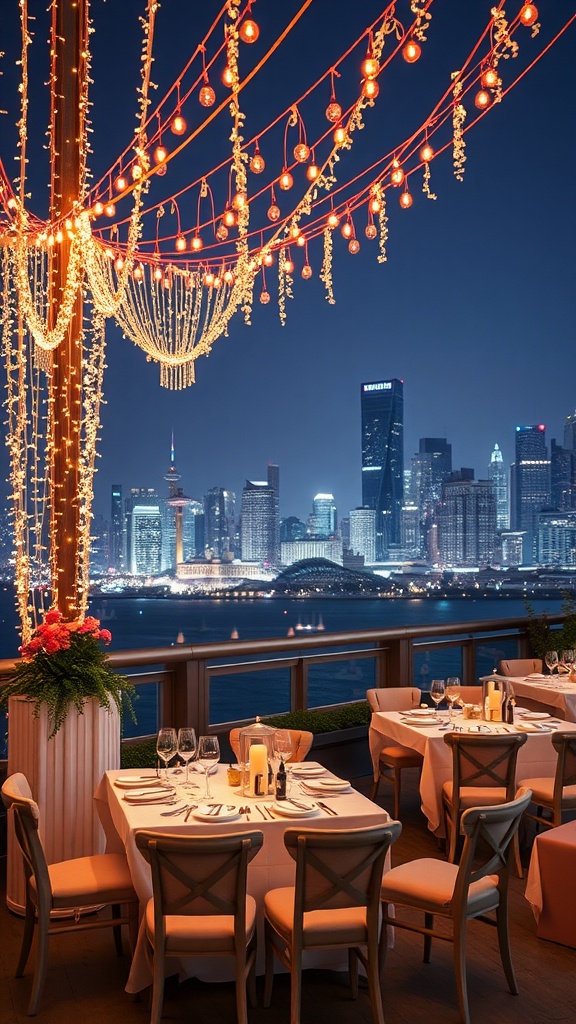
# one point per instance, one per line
(260, 523)
(295, 551)
(467, 522)
(382, 412)
(529, 484)
(363, 533)
(556, 539)
(219, 513)
(430, 467)
(323, 519)
(411, 532)
(562, 478)
(116, 546)
(499, 477)
(146, 540)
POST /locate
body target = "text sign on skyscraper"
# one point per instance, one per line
(382, 405)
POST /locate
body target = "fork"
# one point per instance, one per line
(176, 812)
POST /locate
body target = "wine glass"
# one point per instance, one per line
(282, 752)
(208, 754)
(568, 659)
(452, 693)
(166, 747)
(187, 747)
(437, 691)
(551, 659)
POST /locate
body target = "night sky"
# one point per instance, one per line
(474, 310)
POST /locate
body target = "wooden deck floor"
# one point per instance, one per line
(85, 983)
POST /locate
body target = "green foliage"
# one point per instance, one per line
(323, 721)
(544, 637)
(139, 755)
(71, 675)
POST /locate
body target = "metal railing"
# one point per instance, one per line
(196, 683)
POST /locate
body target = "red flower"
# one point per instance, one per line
(52, 616)
(90, 625)
(105, 635)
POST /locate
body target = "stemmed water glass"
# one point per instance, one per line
(437, 692)
(166, 747)
(187, 748)
(452, 693)
(208, 754)
(551, 659)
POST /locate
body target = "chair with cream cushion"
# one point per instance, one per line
(301, 743)
(333, 905)
(557, 793)
(200, 906)
(70, 885)
(520, 667)
(483, 772)
(394, 756)
(475, 888)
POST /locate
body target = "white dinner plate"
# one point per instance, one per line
(203, 813)
(146, 796)
(290, 810)
(537, 675)
(328, 785)
(533, 727)
(307, 772)
(419, 713)
(421, 723)
(134, 782)
(532, 716)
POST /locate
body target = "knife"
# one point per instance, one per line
(329, 810)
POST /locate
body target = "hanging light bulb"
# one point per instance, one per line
(239, 200)
(333, 111)
(306, 271)
(207, 96)
(529, 14)
(406, 200)
(136, 171)
(138, 272)
(411, 51)
(353, 246)
(257, 162)
(301, 241)
(180, 243)
(288, 266)
(98, 209)
(285, 181)
(426, 153)
(489, 78)
(332, 220)
(264, 298)
(294, 231)
(375, 205)
(301, 153)
(118, 263)
(312, 172)
(209, 278)
(228, 276)
(196, 243)
(229, 218)
(268, 259)
(340, 136)
(121, 183)
(249, 31)
(157, 275)
(347, 230)
(273, 212)
(397, 174)
(370, 66)
(370, 89)
(178, 125)
(221, 232)
(109, 209)
(59, 235)
(370, 231)
(483, 99)
(160, 154)
(227, 77)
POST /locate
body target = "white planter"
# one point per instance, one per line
(63, 774)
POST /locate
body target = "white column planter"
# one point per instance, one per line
(63, 774)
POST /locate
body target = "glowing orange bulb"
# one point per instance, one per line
(209, 278)
(227, 77)
(370, 89)
(12, 203)
(249, 31)
(98, 208)
(353, 246)
(306, 271)
(294, 231)
(264, 298)
(228, 276)
(312, 172)
(347, 230)
(121, 183)
(180, 243)
(222, 233)
(110, 209)
(489, 78)
(138, 272)
(229, 218)
(207, 96)
(370, 67)
(257, 163)
(411, 51)
(426, 153)
(268, 259)
(397, 175)
(333, 220)
(340, 136)
(196, 243)
(370, 231)
(288, 267)
(482, 99)
(301, 241)
(217, 281)
(529, 14)
(406, 200)
(160, 154)
(239, 200)
(59, 236)
(285, 181)
(301, 153)
(68, 224)
(109, 254)
(136, 172)
(273, 212)
(333, 111)
(375, 205)
(157, 274)
(118, 263)
(178, 126)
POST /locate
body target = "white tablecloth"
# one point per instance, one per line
(554, 691)
(536, 758)
(271, 868)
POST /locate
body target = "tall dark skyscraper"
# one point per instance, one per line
(116, 529)
(382, 405)
(529, 483)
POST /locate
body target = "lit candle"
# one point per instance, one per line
(258, 767)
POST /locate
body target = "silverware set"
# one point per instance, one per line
(178, 810)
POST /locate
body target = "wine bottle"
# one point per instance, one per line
(281, 782)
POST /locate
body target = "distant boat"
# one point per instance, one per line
(234, 634)
(180, 638)
(320, 627)
(291, 632)
(299, 625)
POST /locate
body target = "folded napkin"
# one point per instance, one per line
(531, 727)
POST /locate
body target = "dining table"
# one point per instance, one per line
(122, 815)
(424, 732)
(550, 884)
(552, 691)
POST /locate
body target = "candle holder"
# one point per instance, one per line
(256, 756)
(495, 696)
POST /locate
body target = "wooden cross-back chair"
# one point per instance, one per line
(557, 793)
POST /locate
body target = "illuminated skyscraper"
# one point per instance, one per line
(260, 523)
(144, 531)
(382, 404)
(529, 483)
(363, 533)
(116, 560)
(219, 512)
(467, 521)
(499, 477)
(323, 518)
